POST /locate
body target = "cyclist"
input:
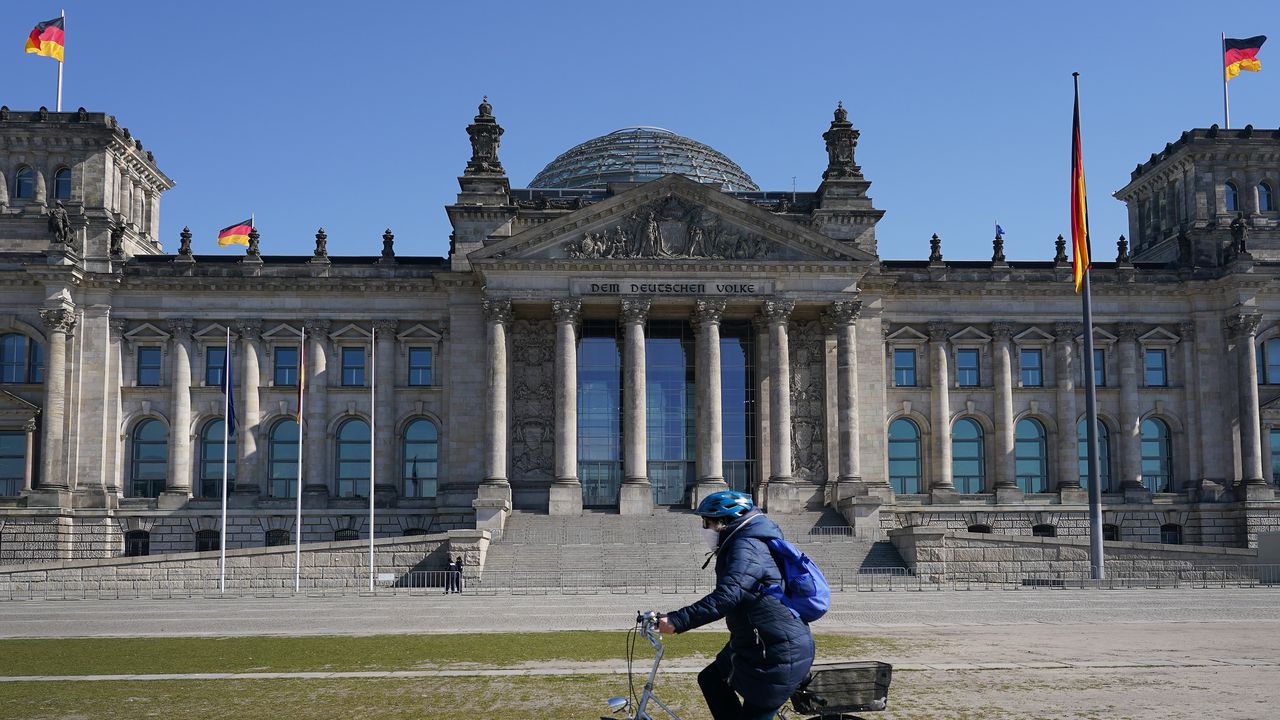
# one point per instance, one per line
(770, 649)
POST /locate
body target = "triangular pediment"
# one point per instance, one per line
(1033, 336)
(1158, 336)
(146, 332)
(671, 219)
(350, 333)
(420, 333)
(970, 335)
(907, 334)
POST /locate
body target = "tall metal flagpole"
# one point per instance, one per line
(64, 52)
(373, 432)
(226, 434)
(297, 522)
(1226, 108)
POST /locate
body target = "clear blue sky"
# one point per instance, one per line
(351, 116)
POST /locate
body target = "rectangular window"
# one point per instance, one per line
(967, 370)
(13, 461)
(352, 366)
(148, 366)
(1157, 371)
(215, 364)
(286, 366)
(904, 368)
(1031, 364)
(420, 366)
(1099, 368)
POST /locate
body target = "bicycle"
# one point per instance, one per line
(831, 692)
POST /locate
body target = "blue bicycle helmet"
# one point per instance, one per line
(725, 504)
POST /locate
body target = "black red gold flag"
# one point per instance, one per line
(1239, 54)
(1079, 205)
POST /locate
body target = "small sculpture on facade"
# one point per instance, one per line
(117, 241)
(388, 244)
(1122, 250)
(997, 249)
(253, 243)
(935, 249)
(60, 224)
(1239, 234)
(184, 242)
(841, 140)
(322, 244)
(1059, 251)
(486, 134)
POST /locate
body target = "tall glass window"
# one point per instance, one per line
(353, 366)
(1231, 196)
(211, 460)
(1264, 198)
(149, 463)
(600, 413)
(1099, 368)
(283, 456)
(669, 370)
(353, 458)
(738, 401)
(1269, 362)
(286, 365)
(1031, 363)
(421, 452)
(24, 183)
(904, 457)
(1030, 456)
(62, 184)
(419, 366)
(21, 360)
(1274, 437)
(904, 368)
(148, 366)
(968, 469)
(1104, 454)
(13, 461)
(1157, 456)
(215, 365)
(1157, 370)
(967, 368)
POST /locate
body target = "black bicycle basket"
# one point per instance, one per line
(835, 688)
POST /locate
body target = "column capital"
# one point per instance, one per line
(1002, 330)
(249, 330)
(634, 309)
(708, 311)
(315, 327)
(385, 326)
(842, 312)
(938, 331)
(118, 325)
(59, 319)
(1065, 332)
(180, 328)
(30, 425)
(1187, 330)
(1127, 331)
(1243, 325)
(567, 310)
(496, 310)
(777, 310)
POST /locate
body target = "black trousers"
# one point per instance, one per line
(723, 702)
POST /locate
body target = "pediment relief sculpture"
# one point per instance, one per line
(672, 229)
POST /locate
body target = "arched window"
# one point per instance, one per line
(346, 534)
(149, 464)
(1111, 533)
(13, 462)
(968, 469)
(211, 460)
(1264, 198)
(1157, 456)
(985, 529)
(1231, 197)
(137, 543)
(282, 449)
(277, 538)
(62, 184)
(904, 457)
(1171, 534)
(1044, 530)
(420, 449)
(1030, 459)
(1104, 454)
(353, 458)
(21, 360)
(208, 540)
(24, 183)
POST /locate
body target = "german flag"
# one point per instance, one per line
(1237, 55)
(237, 234)
(1079, 205)
(47, 39)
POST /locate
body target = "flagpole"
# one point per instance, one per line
(64, 52)
(373, 432)
(297, 523)
(226, 434)
(1226, 108)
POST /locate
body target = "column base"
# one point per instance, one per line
(50, 497)
(564, 497)
(1252, 490)
(863, 513)
(494, 489)
(94, 497)
(173, 499)
(635, 498)
(1208, 490)
(946, 495)
(315, 497)
(491, 513)
(1138, 495)
(242, 498)
(782, 498)
(1009, 495)
(1073, 495)
(706, 487)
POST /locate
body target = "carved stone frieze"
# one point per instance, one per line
(808, 401)
(672, 228)
(532, 384)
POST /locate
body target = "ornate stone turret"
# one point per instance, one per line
(844, 211)
(486, 135)
(842, 140)
(484, 208)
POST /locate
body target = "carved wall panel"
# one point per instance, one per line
(672, 228)
(808, 401)
(532, 390)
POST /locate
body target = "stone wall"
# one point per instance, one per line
(331, 565)
(945, 555)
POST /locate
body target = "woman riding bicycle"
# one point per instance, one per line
(770, 649)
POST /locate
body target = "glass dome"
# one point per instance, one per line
(641, 154)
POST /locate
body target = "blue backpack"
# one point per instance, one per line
(804, 589)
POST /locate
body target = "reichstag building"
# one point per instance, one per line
(637, 327)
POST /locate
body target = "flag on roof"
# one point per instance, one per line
(48, 39)
(237, 234)
(1237, 54)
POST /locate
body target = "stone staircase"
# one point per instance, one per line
(667, 539)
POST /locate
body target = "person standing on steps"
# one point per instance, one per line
(457, 575)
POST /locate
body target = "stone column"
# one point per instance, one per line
(387, 480)
(177, 487)
(497, 314)
(1006, 485)
(842, 318)
(1068, 474)
(1130, 438)
(943, 488)
(1191, 399)
(636, 496)
(315, 472)
(114, 441)
(706, 318)
(782, 496)
(136, 214)
(1244, 329)
(59, 322)
(29, 470)
(249, 413)
(565, 496)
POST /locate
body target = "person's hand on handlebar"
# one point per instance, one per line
(665, 626)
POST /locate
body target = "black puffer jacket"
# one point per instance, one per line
(770, 649)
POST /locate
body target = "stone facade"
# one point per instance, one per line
(858, 377)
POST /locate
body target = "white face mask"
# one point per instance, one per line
(711, 537)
